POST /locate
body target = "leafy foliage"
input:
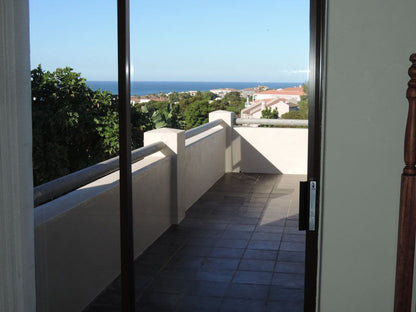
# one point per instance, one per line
(209, 95)
(163, 114)
(293, 115)
(303, 105)
(268, 113)
(73, 126)
(232, 102)
(140, 123)
(195, 109)
(196, 113)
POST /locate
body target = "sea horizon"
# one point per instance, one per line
(155, 87)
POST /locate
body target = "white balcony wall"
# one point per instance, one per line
(77, 236)
(204, 164)
(270, 150)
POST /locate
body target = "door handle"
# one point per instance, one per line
(303, 201)
(312, 205)
(307, 205)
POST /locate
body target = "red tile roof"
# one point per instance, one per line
(287, 91)
(224, 89)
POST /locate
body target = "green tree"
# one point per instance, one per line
(73, 126)
(235, 103)
(293, 115)
(303, 105)
(140, 123)
(268, 113)
(70, 123)
(174, 97)
(232, 102)
(305, 87)
(196, 113)
(186, 101)
(163, 114)
(209, 95)
(217, 105)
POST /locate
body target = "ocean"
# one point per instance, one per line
(154, 87)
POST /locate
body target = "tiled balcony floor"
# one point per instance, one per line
(238, 249)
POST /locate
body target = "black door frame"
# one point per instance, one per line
(317, 32)
(126, 207)
(317, 35)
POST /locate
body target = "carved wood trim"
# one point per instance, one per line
(410, 139)
(407, 222)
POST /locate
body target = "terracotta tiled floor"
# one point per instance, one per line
(238, 249)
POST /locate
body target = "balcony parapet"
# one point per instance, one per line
(228, 119)
(199, 158)
(202, 128)
(58, 187)
(272, 122)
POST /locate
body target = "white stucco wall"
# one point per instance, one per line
(270, 150)
(275, 96)
(282, 108)
(266, 96)
(78, 235)
(256, 114)
(369, 43)
(204, 164)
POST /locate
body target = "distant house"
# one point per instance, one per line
(281, 104)
(145, 99)
(222, 92)
(248, 92)
(288, 93)
(251, 91)
(157, 99)
(134, 99)
(192, 93)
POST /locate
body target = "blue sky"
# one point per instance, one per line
(176, 40)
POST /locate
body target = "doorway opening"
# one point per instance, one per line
(237, 241)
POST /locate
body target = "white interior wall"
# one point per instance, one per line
(369, 43)
(17, 261)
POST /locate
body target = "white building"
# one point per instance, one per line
(288, 93)
(144, 100)
(282, 105)
(192, 93)
(248, 92)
